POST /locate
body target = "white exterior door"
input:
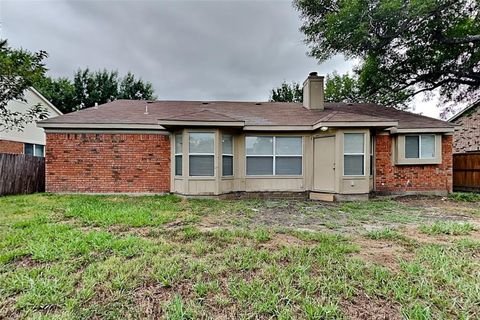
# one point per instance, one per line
(324, 164)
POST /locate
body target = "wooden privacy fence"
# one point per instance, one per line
(466, 171)
(21, 174)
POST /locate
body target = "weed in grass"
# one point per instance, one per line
(178, 310)
(447, 227)
(375, 210)
(468, 244)
(130, 211)
(385, 234)
(464, 196)
(262, 235)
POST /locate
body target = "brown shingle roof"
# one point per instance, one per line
(252, 113)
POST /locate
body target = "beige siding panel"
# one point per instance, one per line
(178, 185)
(355, 186)
(274, 184)
(227, 185)
(202, 187)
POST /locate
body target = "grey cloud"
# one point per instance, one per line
(188, 50)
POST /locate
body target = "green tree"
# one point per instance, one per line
(90, 87)
(343, 88)
(19, 70)
(338, 88)
(136, 89)
(95, 87)
(404, 46)
(60, 92)
(287, 92)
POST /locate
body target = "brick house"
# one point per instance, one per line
(467, 136)
(230, 149)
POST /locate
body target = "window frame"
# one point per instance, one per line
(372, 154)
(34, 149)
(176, 153)
(201, 154)
(355, 154)
(229, 155)
(420, 146)
(274, 156)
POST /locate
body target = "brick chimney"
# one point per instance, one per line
(313, 96)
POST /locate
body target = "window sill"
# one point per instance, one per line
(355, 177)
(417, 162)
(196, 178)
(274, 177)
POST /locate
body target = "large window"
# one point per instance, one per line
(227, 155)
(201, 153)
(354, 154)
(274, 155)
(420, 146)
(178, 154)
(36, 150)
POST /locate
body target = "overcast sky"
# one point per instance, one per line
(195, 50)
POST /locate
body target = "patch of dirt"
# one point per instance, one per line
(362, 307)
(26, 262)
(8, 310)
(290, 215)
(384, 253)
(415, 234)
(448, 209)
(443, 239)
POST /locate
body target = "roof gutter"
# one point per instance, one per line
(395, 130)
(343, 124)
(57, 125)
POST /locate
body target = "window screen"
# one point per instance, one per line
(29, 149)
(354, 154)
(274, 155)
(201, 153)
(178, 154)
(428, 146)
(227, 155)
(420, 146)
(288, 156)
(39, 150)
(412, 147)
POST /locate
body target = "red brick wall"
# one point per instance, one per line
(7, 146)
(107, 163)
(390, 178)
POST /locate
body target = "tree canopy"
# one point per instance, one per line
(19, 69)
(338, 88)
(404, 46)
(90, 87)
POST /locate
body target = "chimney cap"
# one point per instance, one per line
(313, 73)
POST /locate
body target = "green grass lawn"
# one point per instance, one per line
(77, 256)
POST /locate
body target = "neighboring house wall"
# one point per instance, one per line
(390, 178)
(30, 133)
(7, 146)
(108, 163)
(467, 137)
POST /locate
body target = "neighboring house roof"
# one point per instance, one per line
(464, 111)
(119, 113)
